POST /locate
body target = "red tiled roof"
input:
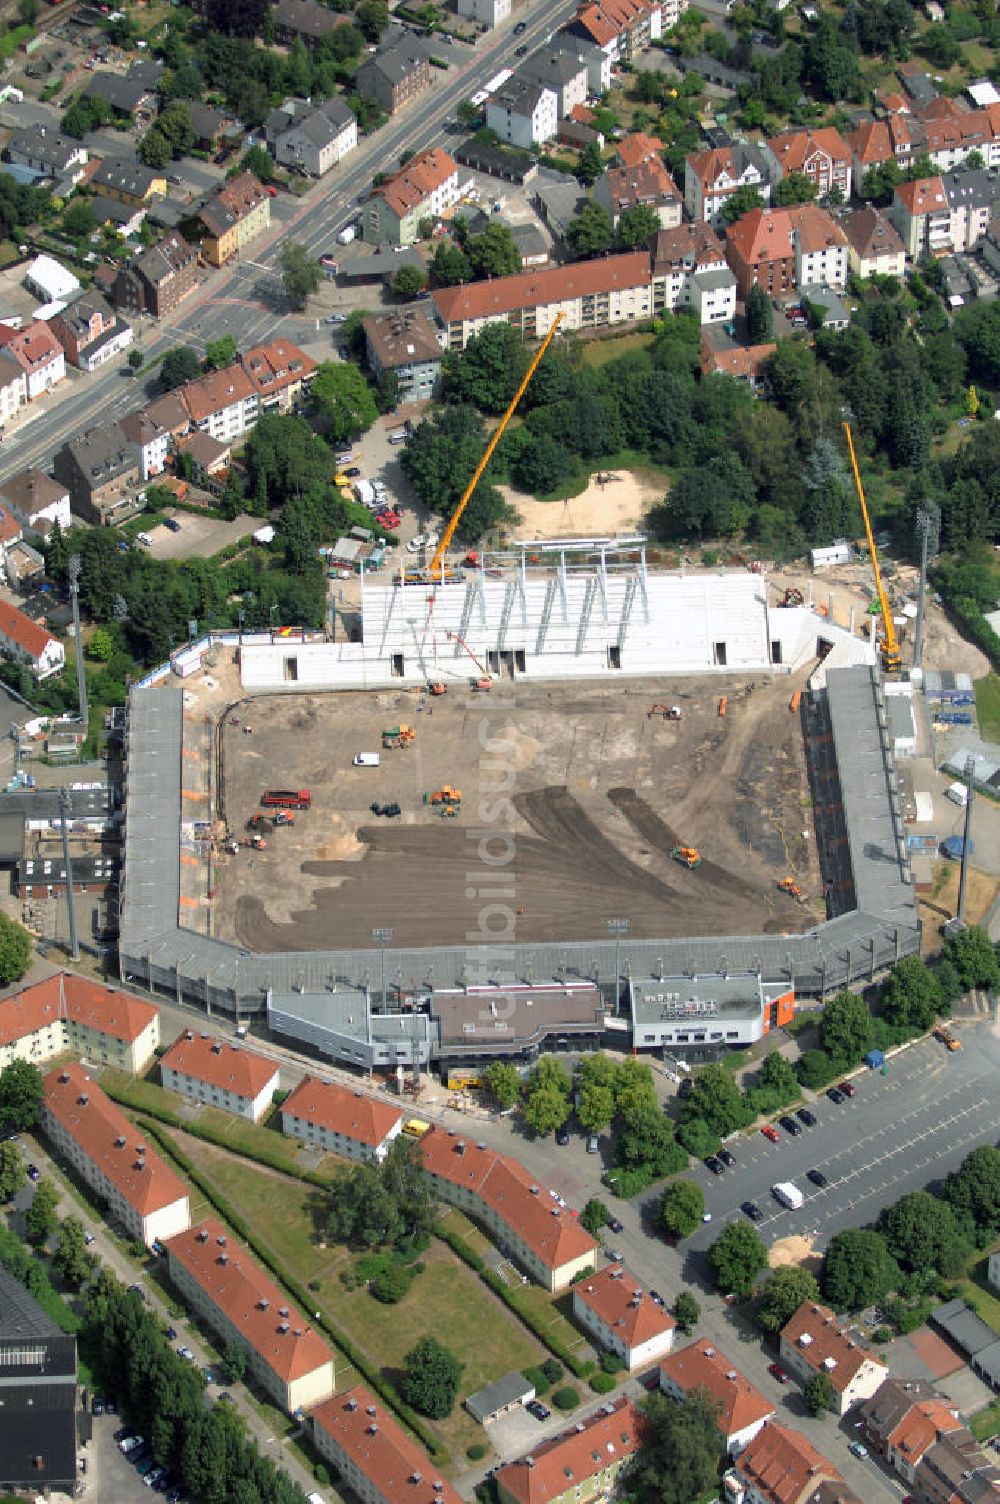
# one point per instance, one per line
(690, 244)
(648, 182)
(227, 1066)
(762, 235)
(479, 300)
(637, 147)
(782, 1465)
(417, 180)
(277, 365)
(376, 1443)
(237, 1285)
(33, 347)
(216, 391)
(815, 228)
(921, 1427)
(818, 1340)
(553, 1234)
(566, 1462)
(709, 165)
(17, 627)
(747, 361)
(794, 149)
(701, 1365)
(617, 1300)
(110, 1141)
(922, 196)
(342, 1111)
(79, 1000)
(10, 529)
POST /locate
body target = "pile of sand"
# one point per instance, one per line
(617, 505)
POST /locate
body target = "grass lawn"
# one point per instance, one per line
(597, 352)
(986, 1423)
(975, 1288)
(988, 706)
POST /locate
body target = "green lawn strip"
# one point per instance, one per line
(975, 1288)
(986, 1423)
(988, 706)
(598, 352)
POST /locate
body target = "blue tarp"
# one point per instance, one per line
(875, 1058)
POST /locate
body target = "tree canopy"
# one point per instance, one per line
(21, 1094)
(431, 1375)
(858, 1269)
(343, 400)
(679, 1455)
(737, 1257)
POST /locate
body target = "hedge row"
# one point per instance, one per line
(360, 1361)
(489, 1276)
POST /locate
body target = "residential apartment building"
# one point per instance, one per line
(711, 178)
(108, 1152)
(215, 1073)
(523, 1219)
(100, 471)
(622, 28)
(397, 73)
(427, 186)
(921, 214)
(821, 249)
(903, 1419)
(128, 182)
(150, 443)
(280, 373)
(405, 343)
(743, 1410)
(340, 1121)
(223, 1283)
(951, 138)
(957, 1470)
(372, 1455)
(25, 641)
(304, 19)
(813, 1342)
(13, 387)
(597, 62)
(44, 150)
(90, 331)
(159, 279)
(973, 199)
(66, 1012)
(782, 249)
(779, 1466)
(224, 403)
(561, 72)
(589, 294)
(485, 12)
(38, 353)
(311, 138)
(690, 273)
(579, 1466)
(622, 1318)
(873, 244)
(822, 156)
(36, 500)
(523, 113)
(879, 141)
(649, 183)
(234, 217)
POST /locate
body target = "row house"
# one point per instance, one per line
(13, 387)
(649, 183)
(580, 1464)
(743, 1410)
(690, 273)
(425, 188)
(958, 1470)
(621, 28)
(100, 470)
(35, 500)
(873, 244)
(47, 151)
(782, 249)
(590, 295)
(822, 156)
(223, 403)
(523, 113)
(280, 372)
(813, 1342)
(150, 443)
(70, 1013)
(399, 71)
(526, 1222)
(223, 1283)
(128, 182)
(897, 139)
(949, 140)
(107, 1152)
(624, 1319)
(780, 1466)
(711, 178)
(233, 217)
(339, 1120)
(158, 280)
(213, 1072)
(372, 1455)
(90, 331)
(903, 1419)
(39, 355)
(24, 641)
(311, 138)
(921, 214)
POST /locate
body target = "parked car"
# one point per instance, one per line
(352, 472)
(715, 1165)
(521, 51)
(657, 1297)
(172, 524)
(790, 1126)
(538, 1410)
(848, 1088)
(34, 1173)
(122, 1434)
(97, 1405)
(171, 1334)
(686, 1088)
(615, 1255)
(777, 1372)
(752, 1210)
(416, 544)
(728, 1159)
(807, 1117)
(769, 1131)
(562, 1135)
(615, 1225)
(520, 28)
(835, 1095)
(593, 1144)
(817, 1177)
(186, 1354)
(858, 1449)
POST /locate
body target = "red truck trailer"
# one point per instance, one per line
(286, 798)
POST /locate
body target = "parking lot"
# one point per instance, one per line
(110, 1478)
(199, 537)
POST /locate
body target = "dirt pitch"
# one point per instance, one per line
(581, 792)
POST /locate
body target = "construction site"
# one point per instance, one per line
(643, 802)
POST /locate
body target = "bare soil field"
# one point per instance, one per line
(573, 797)
(616, 505)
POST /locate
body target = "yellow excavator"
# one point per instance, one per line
(892, 660)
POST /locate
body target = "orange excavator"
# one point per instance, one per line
(790, 886)
(688, 856)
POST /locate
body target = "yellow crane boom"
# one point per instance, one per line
(892, 660)
(449, 531)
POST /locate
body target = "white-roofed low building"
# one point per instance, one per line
(49, 280)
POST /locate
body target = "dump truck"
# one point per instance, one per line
(668, 712)
(286, 798)
(946, 1037)
(788, 1194)
(482, 686)
(445, 795)
(688, 856)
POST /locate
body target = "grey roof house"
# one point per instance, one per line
(311, 138)
(44, 149)
(396, 74)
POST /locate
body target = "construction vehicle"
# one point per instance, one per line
(269, 822)
(286, 799)
(790, 886)
(792, 597)
(434, 568)
(398, 736)
(390, 811)
(946, 1037)
(892, 659)
(437, 689)
(481, 667)
(668, 712)
(724, 706)
(795, 701)
(445, 795)
(688, 856)
(482, 686)
(257, 843)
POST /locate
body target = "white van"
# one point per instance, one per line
(958, 793)
(145, 539)
(398, 436)
(367, 760)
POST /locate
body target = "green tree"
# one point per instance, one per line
(545, 1109)
(343, 400)
(636, 226)
(845, 1029)
(361, 1210)
(392, 1283)
(258, 160)
(921, 1234)
(72, 1261)
(781, 1294)
(737, 1257)
(493, 253)
(154, 149)
(716, 1099)
(489, 370)
(645, 1138)
(101, 645)
(682, 1207)
(504, 1084)
(686, 1311)
(796, 188)
(760, 323)
(468, 114)
(858, 1269)
(450, 266)
(15, 950)
(594, 1216)
(972, 1189)
(28, 11)
(79, 220)
(542, 464)
(373, 18)
(778, 1076)
(973, 956)
(220, 352)
(817, 1394)
(40, 1220)
(174, 124)
(597, 1107)
(300, 273)
(21, 1094)
(591, 164)
(741, 202)
(590, 233)
(431, 1375)
(12, 1172)
(409, 281)
(678, 1458)
(136, 359)
(911, 996)
(179, 365)
(233, 1363)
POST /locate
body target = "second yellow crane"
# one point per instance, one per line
(892, 659)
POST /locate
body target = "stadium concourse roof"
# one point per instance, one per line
(158, 952)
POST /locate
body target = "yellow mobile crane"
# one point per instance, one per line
(438, 560)
(892, 660)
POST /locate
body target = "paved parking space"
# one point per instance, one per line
(110, 1478)
(199, 536)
